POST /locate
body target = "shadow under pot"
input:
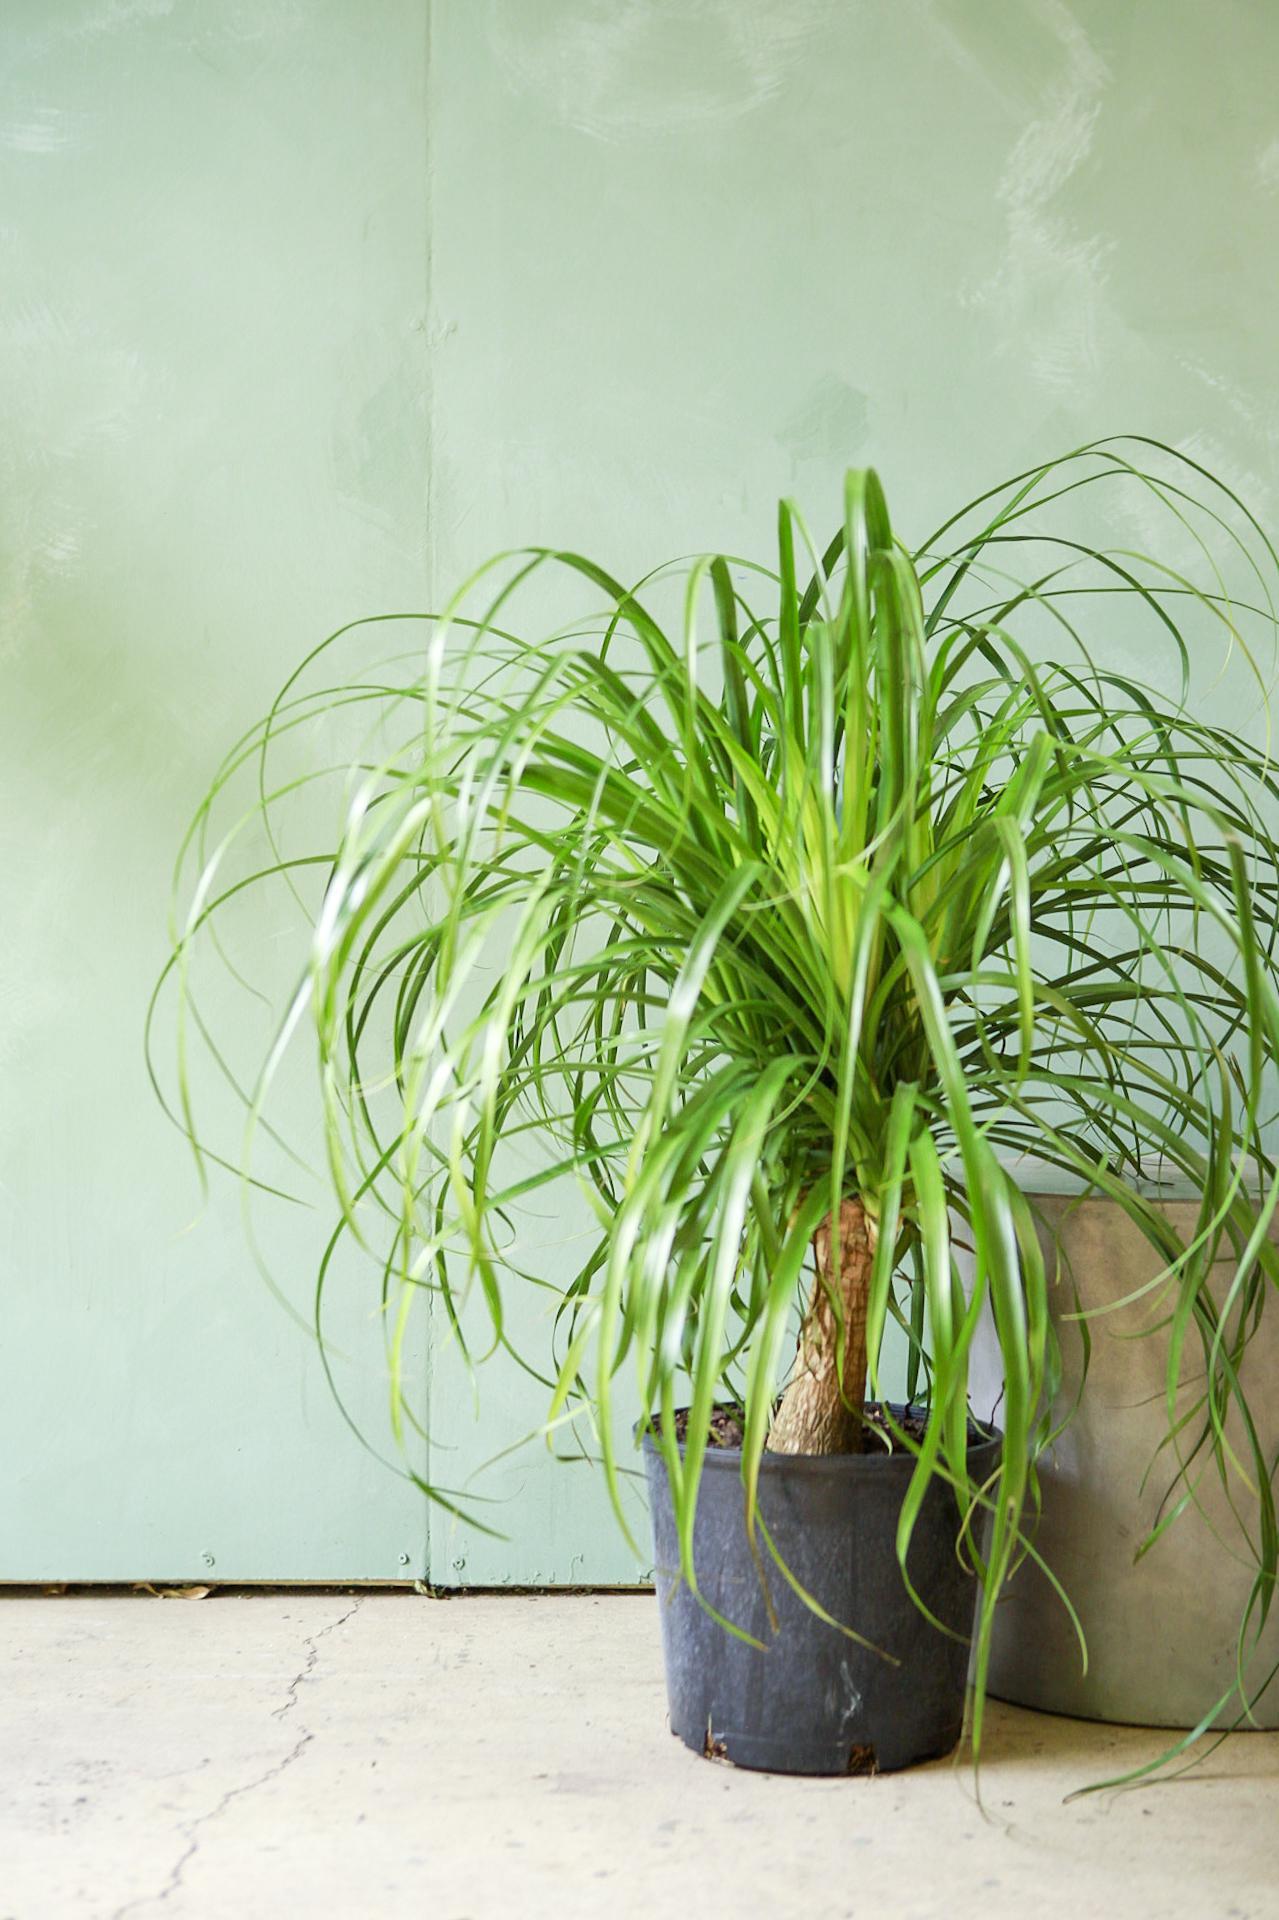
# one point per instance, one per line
(809, 1699)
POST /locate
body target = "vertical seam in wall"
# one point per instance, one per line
(430, 555)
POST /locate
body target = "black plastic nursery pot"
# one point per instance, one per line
(810, 1699)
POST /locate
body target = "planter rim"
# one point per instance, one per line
(1157, 1180)
(835, 1466)
(1163, 1196)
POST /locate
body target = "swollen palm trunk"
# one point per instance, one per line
(821, 1408)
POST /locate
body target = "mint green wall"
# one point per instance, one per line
(214, 387)
(613, 275)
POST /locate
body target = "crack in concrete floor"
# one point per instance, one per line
(192, 1831)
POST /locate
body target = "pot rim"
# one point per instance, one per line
(982, 1454)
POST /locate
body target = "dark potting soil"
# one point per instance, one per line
(727, 1425)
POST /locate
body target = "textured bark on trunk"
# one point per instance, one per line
(813, 1417)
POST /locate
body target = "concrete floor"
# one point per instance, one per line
(384, 1754)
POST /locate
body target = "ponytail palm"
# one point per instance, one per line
(791, 908)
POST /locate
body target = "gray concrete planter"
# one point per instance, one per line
(1161, 1631)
